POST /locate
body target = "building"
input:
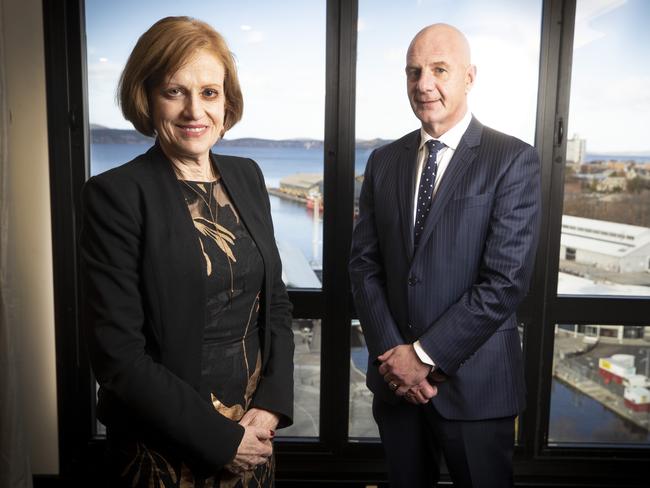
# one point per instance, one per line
(302, 184)
(575, 150)
(612, 184)
(606, 245)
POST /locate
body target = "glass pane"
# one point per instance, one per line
(506, 103)
(605, 243)
(601, 385)
(362, 423)
(306, 379)
(283, 123)
(385, 31)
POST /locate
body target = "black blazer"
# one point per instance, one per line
(459, 290)
(144, 305)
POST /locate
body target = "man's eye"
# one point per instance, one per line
(440, 71)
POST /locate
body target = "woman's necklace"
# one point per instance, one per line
(208, 202)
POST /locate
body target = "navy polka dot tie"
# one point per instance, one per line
(425, 190)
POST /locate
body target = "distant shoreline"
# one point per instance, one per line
(105, 135)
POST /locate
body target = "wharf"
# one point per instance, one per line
(602, 395)
(584, 379)
(287, 196)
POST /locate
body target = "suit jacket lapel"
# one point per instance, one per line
(259, 232)
(460, 162)
(255, 228)
(406, 167)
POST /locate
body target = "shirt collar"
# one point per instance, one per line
(452, 137)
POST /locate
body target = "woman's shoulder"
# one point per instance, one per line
(244, 170)
(130, 175)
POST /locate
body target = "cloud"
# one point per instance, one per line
(104, 71)
(361, 25)
(255, 37)
(585, 16)
(612, 114)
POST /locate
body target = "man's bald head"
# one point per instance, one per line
(436, 34)
(439, 77)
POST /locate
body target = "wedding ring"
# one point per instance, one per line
(393, 386)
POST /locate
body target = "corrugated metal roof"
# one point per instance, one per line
(605, 231)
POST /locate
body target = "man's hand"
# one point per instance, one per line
(260, 418)
(401, 368)
(421, 393)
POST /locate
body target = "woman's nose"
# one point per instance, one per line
(193, 107)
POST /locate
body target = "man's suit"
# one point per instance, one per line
(457, 293)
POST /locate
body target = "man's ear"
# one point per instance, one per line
(470, 76)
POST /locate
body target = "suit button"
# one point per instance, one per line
(412, 280)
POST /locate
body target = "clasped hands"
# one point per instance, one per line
(256, 446)
(407, 376)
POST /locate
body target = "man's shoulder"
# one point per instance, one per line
(495, 138)
(405, 142)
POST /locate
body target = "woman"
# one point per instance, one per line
(188, 321)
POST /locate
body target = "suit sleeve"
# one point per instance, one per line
(275, 389)
(116, 330)
(504, 273)
(367, 274)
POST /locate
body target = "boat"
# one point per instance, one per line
(616, 368)
(637, 398)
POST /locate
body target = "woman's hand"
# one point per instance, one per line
(260, 418)
(255, 448)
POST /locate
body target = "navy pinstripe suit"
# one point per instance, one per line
(458, 291)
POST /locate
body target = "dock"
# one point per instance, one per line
(588, 382)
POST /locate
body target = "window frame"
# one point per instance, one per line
(334, 456)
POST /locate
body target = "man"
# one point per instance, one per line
(441, 257)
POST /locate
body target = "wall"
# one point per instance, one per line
(31, 300)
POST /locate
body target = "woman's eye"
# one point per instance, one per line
(209, 92)
(173, 92)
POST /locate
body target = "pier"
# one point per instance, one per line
(583, 376)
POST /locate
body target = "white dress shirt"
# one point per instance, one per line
(450, 139)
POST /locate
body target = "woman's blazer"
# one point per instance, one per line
(144, 305)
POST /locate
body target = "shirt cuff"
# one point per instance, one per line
(424, 357)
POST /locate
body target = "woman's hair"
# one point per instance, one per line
(161, 51)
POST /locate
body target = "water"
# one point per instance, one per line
(574, 417)
(616, 157)
(577, 418)
(292, 220)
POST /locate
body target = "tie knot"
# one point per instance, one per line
(434, 146)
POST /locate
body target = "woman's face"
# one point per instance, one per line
(188, 108)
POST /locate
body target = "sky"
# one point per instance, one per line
(280, 52)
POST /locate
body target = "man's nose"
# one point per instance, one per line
(426, 82)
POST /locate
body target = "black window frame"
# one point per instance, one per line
(334, 456)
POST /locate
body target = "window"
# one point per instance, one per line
(607, 177)
(282, 127)
(341, 435)
(601, 386)
(282, 130)
(383, 112)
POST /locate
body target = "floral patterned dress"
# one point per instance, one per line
(231, 360)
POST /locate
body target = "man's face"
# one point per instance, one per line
(438, 78)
